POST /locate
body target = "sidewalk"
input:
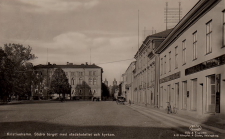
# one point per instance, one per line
(180, 122)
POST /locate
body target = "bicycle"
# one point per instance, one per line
(174, 110)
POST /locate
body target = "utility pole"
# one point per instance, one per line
(84, 86)
(138, 59)
(47, 75)
(90, 56)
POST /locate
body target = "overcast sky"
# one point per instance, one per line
(79, 31)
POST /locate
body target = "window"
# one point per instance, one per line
(209, 37)
(90, 81)
(211, 93)
(80, 73)
(169, 61)
(72, 73)
(184, 95)
(80, 80)
(94, 92)
(72, 81)
(94, 81)
(165, 64)
(94, 72)
(144, 61)
(161, 66)
(90, 73)
(176, 57)
(90, 92)
(148, 77)
(184, 52)
(139, 63)
(151, 73)
(161, 96)
(223, 28)
(195, 45)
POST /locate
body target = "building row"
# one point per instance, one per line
(184, 66)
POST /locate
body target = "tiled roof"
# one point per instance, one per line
(66, 66)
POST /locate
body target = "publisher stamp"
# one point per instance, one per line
(196, 131)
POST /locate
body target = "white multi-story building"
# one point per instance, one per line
(85, 80)
(192, 58)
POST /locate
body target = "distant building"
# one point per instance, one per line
(114, 89)
(85, 80)
(145, 85)
(128, 77)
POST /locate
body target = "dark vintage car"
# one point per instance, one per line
(120, 100)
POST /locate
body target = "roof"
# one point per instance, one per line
(130, 65)
(66, 66)
(158, 36)
(162, 34)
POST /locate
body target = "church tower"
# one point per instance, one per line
(106, 82)
(114, 82)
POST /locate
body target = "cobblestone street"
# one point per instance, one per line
(78, 120)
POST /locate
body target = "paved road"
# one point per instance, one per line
(76, 119)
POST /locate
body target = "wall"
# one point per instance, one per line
(215, 16)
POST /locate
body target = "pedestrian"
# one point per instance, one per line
(129, 102)
(169, 108)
